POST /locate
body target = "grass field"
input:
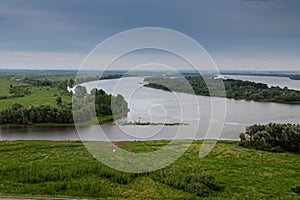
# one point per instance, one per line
(40, 95)
(5, 84)
(66, 169)
(105, 118)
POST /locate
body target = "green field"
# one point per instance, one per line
(41, 95)
(5, 84)
(66, 169)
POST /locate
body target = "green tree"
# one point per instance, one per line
(59, 101)
(80, 91)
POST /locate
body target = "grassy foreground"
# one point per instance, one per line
(66, 169)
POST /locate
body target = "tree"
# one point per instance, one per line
(80, 91)
(71, 83)
(58, 101)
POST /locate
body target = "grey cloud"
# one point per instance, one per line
(220, 26)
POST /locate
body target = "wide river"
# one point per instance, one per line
(153, 105)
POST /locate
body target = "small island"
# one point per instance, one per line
(139, 123)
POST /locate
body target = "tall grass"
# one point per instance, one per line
(199, 184)
(66, 169)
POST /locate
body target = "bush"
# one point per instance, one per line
(296, 189)
(272, 137)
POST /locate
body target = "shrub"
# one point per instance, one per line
(272, 137)
(296, 189)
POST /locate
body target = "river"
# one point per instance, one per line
(147, 104)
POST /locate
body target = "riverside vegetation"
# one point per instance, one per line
(235, 89)
(37, 100)
(293, 75)
(139, 123)
(272, 137)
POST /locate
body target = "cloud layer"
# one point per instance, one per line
(256, 34)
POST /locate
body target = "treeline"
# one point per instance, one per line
(272, 137)
(235, 89)
(98, 103)
(178, 84)
(85, 106)
(80, 80)
(158, 86)
(294, 77)
(63, 84)
(109, 104)
(37, 82)
(18, 114)
(289, 75)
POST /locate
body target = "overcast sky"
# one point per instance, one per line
(238, 34)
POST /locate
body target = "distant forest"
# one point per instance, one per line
(294, 76)
(235, 89)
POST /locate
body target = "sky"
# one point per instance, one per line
(237, 34)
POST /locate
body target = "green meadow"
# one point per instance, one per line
(66, 169)
(40, 95)
(5, 84)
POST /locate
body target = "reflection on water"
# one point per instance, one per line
(148, 104)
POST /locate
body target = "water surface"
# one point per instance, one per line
(147, 104)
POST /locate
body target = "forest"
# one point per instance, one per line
(97, 103)
(293, 75)
(234, 89)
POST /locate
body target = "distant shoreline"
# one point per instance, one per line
(101, 119)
